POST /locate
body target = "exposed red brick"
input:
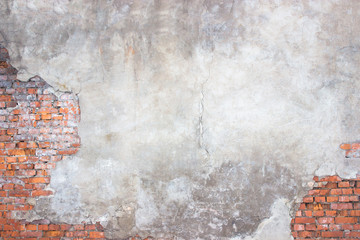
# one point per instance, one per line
(334, 214)
(96, 235)
(32, 140)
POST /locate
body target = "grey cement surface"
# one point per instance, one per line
(200, 119)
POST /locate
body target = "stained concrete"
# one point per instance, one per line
(200, 119)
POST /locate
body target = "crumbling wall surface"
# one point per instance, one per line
(200, 119)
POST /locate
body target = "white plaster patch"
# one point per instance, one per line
(146, 211)
(277, 227)
(179, 190)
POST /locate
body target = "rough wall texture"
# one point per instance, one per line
(200, 119)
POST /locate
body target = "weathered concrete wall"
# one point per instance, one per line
(200, 119)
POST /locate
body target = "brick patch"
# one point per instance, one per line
(37, 129)
(331, 210)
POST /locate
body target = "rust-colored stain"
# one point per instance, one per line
(131, 51)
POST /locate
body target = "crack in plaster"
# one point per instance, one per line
(202, 109)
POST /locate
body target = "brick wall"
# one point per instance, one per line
(37, 129)
(331, 210)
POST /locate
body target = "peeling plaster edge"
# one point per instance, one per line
(257, 235)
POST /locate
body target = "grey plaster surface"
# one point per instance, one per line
(200, 119)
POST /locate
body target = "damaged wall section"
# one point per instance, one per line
(331, 210)
(37, 129)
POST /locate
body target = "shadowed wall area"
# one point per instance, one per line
(199, 119)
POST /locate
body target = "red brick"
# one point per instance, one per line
(65, 227)
(46, 97)
(54, 227)
(16, 152)
(64, 110)
(343, 184)
(46, 117)
(344, 199)
(39, 180)
(43, 227)
(69, 234)
(340, 206)
(5, 98)
(304, 234)
(21, 145)
(332, 199)
(96, 235)
(347, 226)
(32, 90)
(8, 227)
(308, 213)
(336, 191)
(357, 191)
(69, 151)
(79, 227)
(30, 234)
(13, 118)
(345, 220)
(53, 234)
(31, 227)
(318, 213)
(331, 185)
(90, 227)
(332, 234)
(310, 227)
(19, 193)
(8, 186)
(355, 213)
(334, 227)
(353, 234)
(345, 146)
(304, 220)
(354, 198)
(347, 191)
(37, 193)
(342, 213)
(80, 234)
(319, 199)
(325, 220)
